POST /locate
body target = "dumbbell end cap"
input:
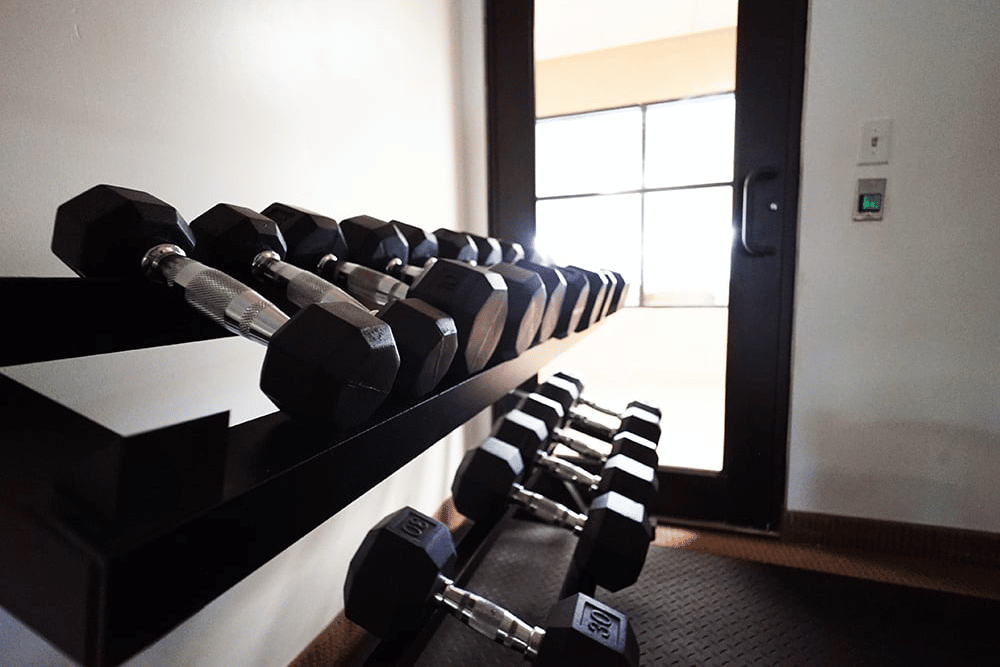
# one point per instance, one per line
(580, 630)
(392, 576)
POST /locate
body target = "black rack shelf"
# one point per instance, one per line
(109, 541)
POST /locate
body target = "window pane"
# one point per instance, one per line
(593, 232)
(690, 141)
(688, 243)
(590, 153)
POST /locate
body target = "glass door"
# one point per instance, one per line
(647, 190)
(677, 212)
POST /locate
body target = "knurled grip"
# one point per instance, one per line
(371, 287)
(579, 447)
(568, 471)
(222, 299)
(490, 619)
(547, 509)
(589, 426)
(301, 287)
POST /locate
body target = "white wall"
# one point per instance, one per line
(896, 370)
(343, 107)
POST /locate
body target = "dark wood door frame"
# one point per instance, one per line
(510, 118)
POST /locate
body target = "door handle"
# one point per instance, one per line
(759, 174)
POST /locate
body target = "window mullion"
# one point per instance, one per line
(642, 217)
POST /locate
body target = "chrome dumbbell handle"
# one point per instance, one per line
(222, 299)
(373, 288)
(579, 447)
(301, 287)
(489, 619)
(409, 274)
(547, 509)
(568, 471)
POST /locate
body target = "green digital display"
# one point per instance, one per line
(870, 203)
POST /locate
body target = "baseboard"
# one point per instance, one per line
(890, 537)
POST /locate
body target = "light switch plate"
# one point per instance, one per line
(875, 137)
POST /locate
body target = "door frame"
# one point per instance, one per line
(749, 493)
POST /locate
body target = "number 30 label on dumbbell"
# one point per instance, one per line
(600, 622)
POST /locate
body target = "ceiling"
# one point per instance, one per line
(568, 27)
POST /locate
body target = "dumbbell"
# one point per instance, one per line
(426, 337)
(332, 360)
(488, 250)
(595, 299)
(474, 298)
(620, 292)
(609, 297)
(315, 242)
(402, 572)
(477, 299)
(552, 278)
(249, 246)
(566, 296)
(423, 245)
(634, 478)
(460, 245)
(556, 289)
(577, 294)
(581, 400)
(636, 418)
(512, 251)
(493, 250)
(529, 433)
(613, 536)
(526, 293)
(636, 423)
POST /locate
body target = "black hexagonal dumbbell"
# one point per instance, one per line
(581, 400)
(402, 572)
(631, 477)
(551, 414)
(493, 250)
(620, 291)
(332, 360)
(556, 295)
(637, 418)
(514, 253)
(613, 536)
(526, 293)
(609, 296)
(250, 246)
(424, 245)
(592, 309)
(474, 297)
(591, 293)
(228, 236)
(511, 251)
(577, 294)
(464, 246)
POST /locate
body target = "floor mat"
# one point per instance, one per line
(692, 608)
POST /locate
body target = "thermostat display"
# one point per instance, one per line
(870, 202)
(869, 198)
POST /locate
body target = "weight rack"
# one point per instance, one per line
(100, 566)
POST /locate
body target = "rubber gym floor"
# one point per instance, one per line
(716, 598)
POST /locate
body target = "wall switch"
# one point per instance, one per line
(875, 135)
(869, 199)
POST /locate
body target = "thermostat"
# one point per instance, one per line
(869, 199)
